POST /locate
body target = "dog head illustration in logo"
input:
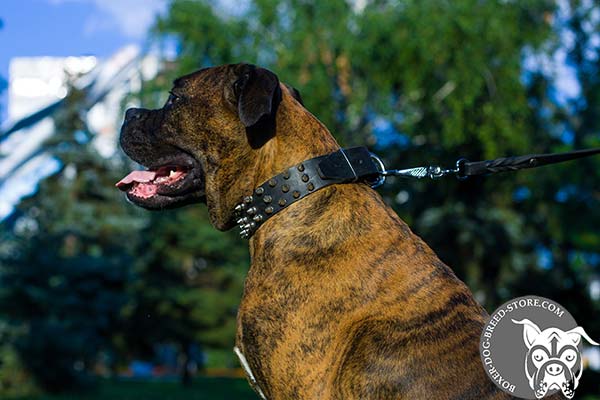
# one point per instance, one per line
(553, 361)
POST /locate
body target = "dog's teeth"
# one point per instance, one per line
(171, 174)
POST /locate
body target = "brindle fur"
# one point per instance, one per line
(342, 301)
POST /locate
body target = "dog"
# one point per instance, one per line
(342, 300)
(553, 361)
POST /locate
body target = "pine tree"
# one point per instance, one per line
(67, 260)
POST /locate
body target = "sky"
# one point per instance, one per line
(71, 28)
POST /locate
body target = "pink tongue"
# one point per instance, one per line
(136, 176)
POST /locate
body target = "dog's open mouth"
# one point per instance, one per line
(166, 186)
(145, 184)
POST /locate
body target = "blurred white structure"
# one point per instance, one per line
(37, 87)
(37, 82)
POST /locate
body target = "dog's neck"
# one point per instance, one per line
(289, 147)
(300, 136)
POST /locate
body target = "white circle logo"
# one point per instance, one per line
(531, 348)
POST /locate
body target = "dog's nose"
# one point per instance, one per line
(132, 114)
(554, 369)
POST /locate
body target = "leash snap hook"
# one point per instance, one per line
(436, 172)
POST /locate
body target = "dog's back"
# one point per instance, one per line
(364, 303)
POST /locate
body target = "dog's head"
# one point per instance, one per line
(553, 361)
(201, 146)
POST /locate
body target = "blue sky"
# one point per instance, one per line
(71, 28)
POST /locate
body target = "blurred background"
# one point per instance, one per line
(102, 300)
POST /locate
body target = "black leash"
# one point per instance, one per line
(358, 164)
(465, 168)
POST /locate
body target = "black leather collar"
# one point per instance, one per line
(355, 164)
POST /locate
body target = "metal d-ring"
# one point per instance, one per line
(381, 167)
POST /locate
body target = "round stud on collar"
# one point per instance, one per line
(300, 180)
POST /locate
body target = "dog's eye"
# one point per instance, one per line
(237, 87)
(569, 355)
(239, 84)
(538, 355)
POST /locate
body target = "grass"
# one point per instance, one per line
(201, 389)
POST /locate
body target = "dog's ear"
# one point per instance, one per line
(295, 93)
(258, 96)
(530, 331)
(575, 335)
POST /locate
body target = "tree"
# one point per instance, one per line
(187, 287)
(67, 260)
(571, 250)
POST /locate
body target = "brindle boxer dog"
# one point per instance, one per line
(342, 300)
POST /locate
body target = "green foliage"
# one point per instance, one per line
(201, 389)
(66, 262)
(65, 299)
(14, 380)
(188, 283)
